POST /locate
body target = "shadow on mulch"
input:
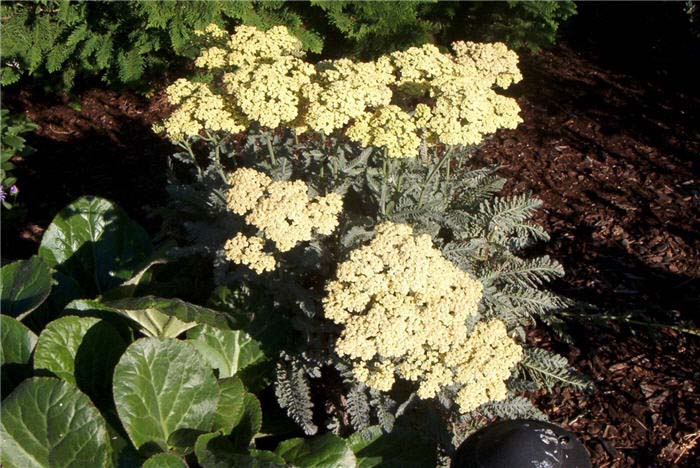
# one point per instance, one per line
(106, 148)
(616, 161)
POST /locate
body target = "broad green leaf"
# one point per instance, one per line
(228, 351)
(216, 451)
(167, 318)
(95, 242)
(373, 447)
(48, 422)
(129, 287)
(161, 386)
(25, 285)
(16, 349)
(165, 460)
(18, 341)
(324, 451)
(82, 351)
(231, 405)
(249, 424)
(95, 308)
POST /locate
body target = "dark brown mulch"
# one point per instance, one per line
(100, 144)
(617, 164)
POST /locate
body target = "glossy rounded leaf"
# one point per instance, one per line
(165, 460)
(18, 341)
(228, 351)
(47, 422)
(373, 447)
(231, 405)
(249, 424)
(95, 242)
(161, 386)
(25, 286)
(324, 451)
(216, 451)
(82, 351)
(167, 317)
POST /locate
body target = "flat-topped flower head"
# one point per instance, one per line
(249, 251)
(390, 128)
(250, 45)
(404, 309)
(281, 210)
(343, 90)
(198, 109)
(270, 93)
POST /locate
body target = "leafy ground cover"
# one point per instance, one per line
(621, 198)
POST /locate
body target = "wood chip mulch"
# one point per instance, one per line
(617, 165)
(616, 162)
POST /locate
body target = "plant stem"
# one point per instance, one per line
(382, 201)
(188, 148)
(270, 149)
(436, 169)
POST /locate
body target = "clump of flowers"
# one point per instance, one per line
(342, 90)
(270, 93)
(249, 251)
(199, 109)
(404, 309)
(283, 211)
(390, 128)
(390, 103)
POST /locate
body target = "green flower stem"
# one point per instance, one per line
(217, 154)
(270, 149)
(436, 169)
(382, 200)
(447, 167)
(186, 146)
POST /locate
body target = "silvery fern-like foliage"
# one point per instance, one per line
(293, 394)
(547, 369)
(440, 194)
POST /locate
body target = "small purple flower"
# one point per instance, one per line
(2, 193)
(14, 190)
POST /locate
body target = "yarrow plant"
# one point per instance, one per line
(348, 208)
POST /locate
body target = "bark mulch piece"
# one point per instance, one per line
(617, 165)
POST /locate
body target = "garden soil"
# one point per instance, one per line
(616, 161)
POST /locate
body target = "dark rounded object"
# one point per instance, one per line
(521, 443)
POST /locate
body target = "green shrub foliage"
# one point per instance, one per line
(12, 143)
(120, 42)
(262, 205)
(125, 378)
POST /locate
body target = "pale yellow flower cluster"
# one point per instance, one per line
(483, 364)
(211, 58)
(249, 251)
(390, 102)
(342, 90)
(493, 60)
(404, 309)
(270, 93)
(213, 31)
(420, 65)
(249, 45)
(388, 127)
(465, 106)
(199, 109)
(283, 211)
